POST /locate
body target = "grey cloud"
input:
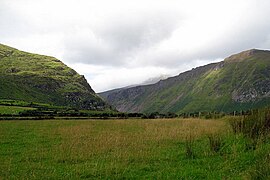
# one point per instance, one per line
(119, 39)
(252, 32)
(246, 36)
(126, 37)
(130, 38)
(137, 31)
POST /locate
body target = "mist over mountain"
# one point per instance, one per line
(154, 80)
(149, 81)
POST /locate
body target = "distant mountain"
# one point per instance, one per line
(146, 82)
(240, 82)
(43, 79)
(154, 79)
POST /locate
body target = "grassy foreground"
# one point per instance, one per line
(113, 149)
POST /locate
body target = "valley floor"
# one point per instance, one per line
(132, 149)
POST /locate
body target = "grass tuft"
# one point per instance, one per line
(215, 142)
(189, 143)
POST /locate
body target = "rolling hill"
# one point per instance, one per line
(43, 79)
(240, 82)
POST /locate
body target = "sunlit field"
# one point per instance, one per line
(112, 149)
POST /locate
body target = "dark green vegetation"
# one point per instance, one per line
(13, 109)
(240, 82)
(42, 79)
(152, 149)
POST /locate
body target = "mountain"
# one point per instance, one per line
(43, 79)
(146, 82)
(154, 79)
(240, 82)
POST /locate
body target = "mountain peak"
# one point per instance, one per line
(244, 55)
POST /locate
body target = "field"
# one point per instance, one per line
(132, 149)
(13, 110)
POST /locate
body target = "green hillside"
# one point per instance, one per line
(240, 82)
(43, 79)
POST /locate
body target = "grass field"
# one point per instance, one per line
(132, 149)
(13, 110)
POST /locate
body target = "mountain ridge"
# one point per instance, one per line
(239, 82)
(144, 83)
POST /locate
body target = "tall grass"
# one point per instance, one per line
(189, 143)
(254, 127)
(261, 168)
(215, 142)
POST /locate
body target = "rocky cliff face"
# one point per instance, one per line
(36, 78)
(240, 82)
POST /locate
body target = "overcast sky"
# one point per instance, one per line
(116, 43)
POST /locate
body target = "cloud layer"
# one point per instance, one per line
(118, 43)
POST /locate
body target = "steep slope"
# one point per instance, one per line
(37, 78)
(240, 82)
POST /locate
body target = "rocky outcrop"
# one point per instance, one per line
(259, 90)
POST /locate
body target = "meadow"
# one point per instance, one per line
(13, 110)
(131, 149)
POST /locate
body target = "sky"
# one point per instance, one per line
(116, 43)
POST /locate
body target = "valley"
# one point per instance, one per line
(137, 90)
(211, 122)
